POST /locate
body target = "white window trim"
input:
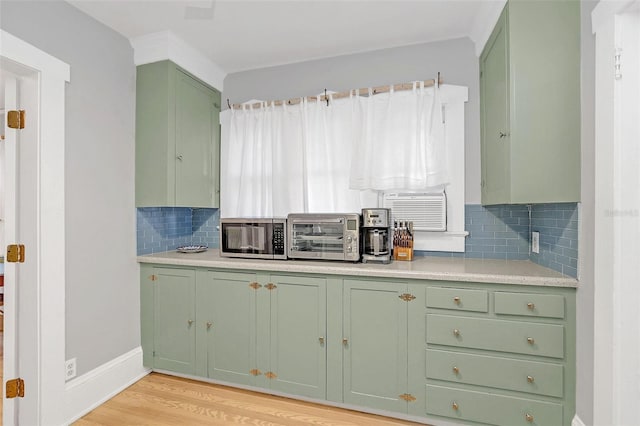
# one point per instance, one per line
(453, 100)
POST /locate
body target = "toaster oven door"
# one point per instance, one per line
(320, 238)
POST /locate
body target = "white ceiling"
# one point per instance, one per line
(240, 34)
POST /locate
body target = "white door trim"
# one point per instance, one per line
(50, 226)
(617, 214)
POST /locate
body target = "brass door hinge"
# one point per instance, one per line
(254, 285)
(15, 119)
(270, 375)
(407, 397)
(255, 372)
(407, 297)
(153, 277)
(15, 388)
(15, 253)
(270, 286)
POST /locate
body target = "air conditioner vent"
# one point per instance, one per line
(428, 212)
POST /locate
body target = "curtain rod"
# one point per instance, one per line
(363, 91)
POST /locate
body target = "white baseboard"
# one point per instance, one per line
(101, 384)
(576, 421)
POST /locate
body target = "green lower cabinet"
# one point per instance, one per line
(173, 313)
(469, 353)
(226, 305)
(297, 341)
(375, 344)
(495, 409)
(264, 331)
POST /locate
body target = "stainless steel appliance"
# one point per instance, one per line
(330, 236)
(376, 234)
(253, 238)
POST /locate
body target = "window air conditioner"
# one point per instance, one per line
(428, 212)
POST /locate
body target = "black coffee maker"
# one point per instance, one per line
(376, 235)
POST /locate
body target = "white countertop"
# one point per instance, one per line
(521, 272)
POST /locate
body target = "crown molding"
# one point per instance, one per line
(165, 45)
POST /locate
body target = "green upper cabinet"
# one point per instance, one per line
(177, 138)
(530, 104)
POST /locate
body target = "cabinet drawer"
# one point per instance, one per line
(496, 335)
(541, 378)
(530, 304)
(491, 408)
(458, 299)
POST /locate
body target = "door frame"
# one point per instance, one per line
(617, 204)
(51, 76)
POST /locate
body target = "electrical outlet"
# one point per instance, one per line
(70, 369)
(535, 242)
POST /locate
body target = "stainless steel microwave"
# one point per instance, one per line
(330, 236)
(253, 238)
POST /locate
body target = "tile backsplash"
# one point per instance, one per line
(165, 228)
(502, 232)
(558, 227)
(495, 232)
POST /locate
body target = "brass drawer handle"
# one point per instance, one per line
(456, 300)
(345, 341)
(531, 306)
(530, 340)
(528, 417)
(456, 332)
(190, 322)
(321, 340)
(455, 406)
(456, 370)
(530, 379)
(209, 324)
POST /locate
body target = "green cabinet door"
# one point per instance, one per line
(174, 320)
(177, 138)
(197, 145)
(298, 323)
(226, 303)
(494, 101)
(530, 105)
(375, 344)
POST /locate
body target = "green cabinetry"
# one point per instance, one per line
(511, 364)
(177, 138)
(466, 352)
(530, 104)
(168, 311)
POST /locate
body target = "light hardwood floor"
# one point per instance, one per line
(158, 399)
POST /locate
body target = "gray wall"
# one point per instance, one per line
(454, 59)
(585, 294)
(102, 296)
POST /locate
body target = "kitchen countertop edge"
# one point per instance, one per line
(521, 272)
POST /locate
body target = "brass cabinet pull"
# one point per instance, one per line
(456, 300)
(209, 324)
(455, 406)
(456, 332)
(531, 306)
(502, 135)
(530, 379)
(190, 322)
(530, 340)
(456, 370)
(321, 340)
(528, 417)
(345, 341)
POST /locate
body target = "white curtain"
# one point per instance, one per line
(400, 141)
(311, 157)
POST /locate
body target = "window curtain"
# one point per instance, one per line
(314, 157)
(400, 143)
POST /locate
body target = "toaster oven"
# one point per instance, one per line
(329, 236)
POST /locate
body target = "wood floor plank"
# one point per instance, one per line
(161, 400)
